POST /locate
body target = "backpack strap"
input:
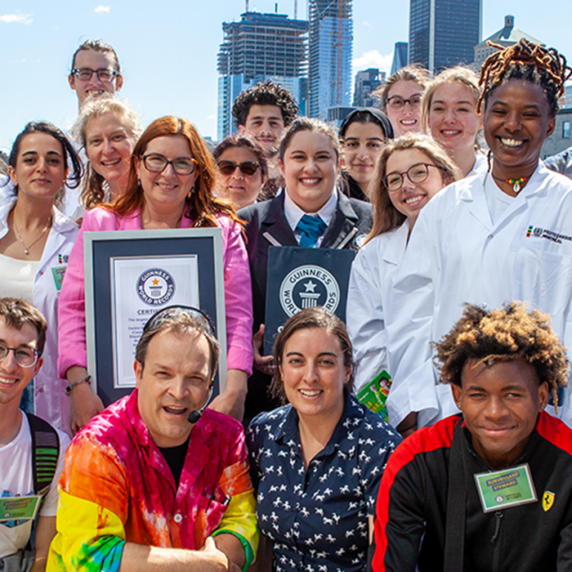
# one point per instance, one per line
(45, 453)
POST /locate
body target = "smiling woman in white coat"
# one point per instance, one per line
(504, 234)
(411, 170)
(35, 242)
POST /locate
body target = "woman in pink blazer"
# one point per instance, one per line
(170, 186)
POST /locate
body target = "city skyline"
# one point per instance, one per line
(169, 56)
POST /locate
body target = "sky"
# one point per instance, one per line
(168, 49)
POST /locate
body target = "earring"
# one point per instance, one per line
(190, 193)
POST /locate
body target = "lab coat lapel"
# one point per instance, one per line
(396, 245)
(479, 207)
(61, 226)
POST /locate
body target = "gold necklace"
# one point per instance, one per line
(27, 248)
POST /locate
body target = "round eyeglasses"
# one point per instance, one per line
(246, 167)
(416, 174)
(157, 164)
(104, 74)
(397, 102)
(26, 357)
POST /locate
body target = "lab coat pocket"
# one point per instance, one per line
(543, 274)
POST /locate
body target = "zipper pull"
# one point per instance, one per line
(498, 517)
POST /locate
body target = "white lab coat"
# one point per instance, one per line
(50, 401)
(457, 255)
(371, 280)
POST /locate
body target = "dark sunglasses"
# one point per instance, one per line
(246, 167)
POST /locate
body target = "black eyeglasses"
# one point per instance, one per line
(104, 74)
(173, 311)
(246, 167)
(397, 102)
(157, 164)
(26, 357)
(416, 174)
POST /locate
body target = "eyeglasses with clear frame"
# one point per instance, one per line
(25, 356)
(397, 102)
(157, 164)
(85, 74)
(246, 167)
(416, 174)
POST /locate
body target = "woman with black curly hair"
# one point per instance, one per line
(503, 234)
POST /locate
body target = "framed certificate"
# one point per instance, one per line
(129, 276)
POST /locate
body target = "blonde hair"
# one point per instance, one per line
(459, 74)
(385, 216)
(93, 192)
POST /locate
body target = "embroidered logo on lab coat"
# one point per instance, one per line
(538, 232)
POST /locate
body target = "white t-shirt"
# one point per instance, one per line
(16, 479)
(497, 200)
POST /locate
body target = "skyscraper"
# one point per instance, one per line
(330, 58)
(443, 33)
(400, 55)
(257, 48)
(366, 82)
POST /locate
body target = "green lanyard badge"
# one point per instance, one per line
(503, 489)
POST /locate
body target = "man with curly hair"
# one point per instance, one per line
(263, 112)
(433, 512)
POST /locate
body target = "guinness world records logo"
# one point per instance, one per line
(155, 287)
(309, 286)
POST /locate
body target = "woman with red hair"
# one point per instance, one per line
(170, 185)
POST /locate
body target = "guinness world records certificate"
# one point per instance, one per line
(131, 275)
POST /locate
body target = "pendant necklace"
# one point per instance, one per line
(27, 248)
(514, 182)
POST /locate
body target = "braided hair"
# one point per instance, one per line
(527, 61)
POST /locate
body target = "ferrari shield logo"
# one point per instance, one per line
(547, 500)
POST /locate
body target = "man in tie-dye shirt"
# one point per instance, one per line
(143, 486)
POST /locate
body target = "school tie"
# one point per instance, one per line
(310, 228)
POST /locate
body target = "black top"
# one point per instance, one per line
(175, 457)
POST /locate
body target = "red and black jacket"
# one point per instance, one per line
(411, 515)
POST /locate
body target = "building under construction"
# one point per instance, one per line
(257, 48)
(330, 57)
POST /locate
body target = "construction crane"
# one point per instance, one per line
(339, 45)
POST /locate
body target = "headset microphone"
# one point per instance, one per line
(195, 415)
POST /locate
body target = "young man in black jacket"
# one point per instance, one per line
(489, 489)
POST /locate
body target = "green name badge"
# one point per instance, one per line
(503, 489)
(19, 508)
(58, 273)
(374, 394)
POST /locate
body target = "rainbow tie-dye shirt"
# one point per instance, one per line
(117, 487)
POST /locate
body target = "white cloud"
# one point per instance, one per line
(18, 18)
(373, 59)
(211, 116)
(102, 9)
(367, 24)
